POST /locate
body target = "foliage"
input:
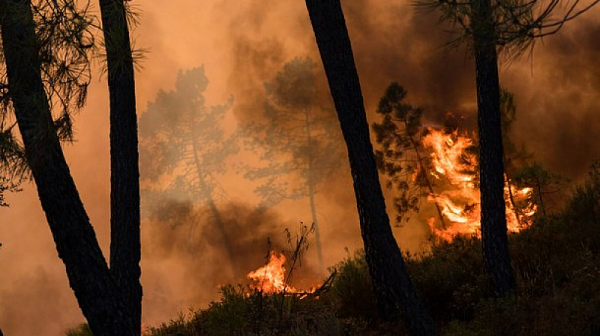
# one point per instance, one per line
(82, 330)
(401, 156)
(183, 141)
(353, 290)
(65, 32)
(557, 264)
(6, 185)
(514, 25)
(246, 312)
(298, 135)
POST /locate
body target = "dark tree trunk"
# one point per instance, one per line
(391, 284)
(75, 240)
(125, 246)
(493, 209)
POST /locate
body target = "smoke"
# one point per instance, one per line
(242, 45)
(557, 96)
(184, 259)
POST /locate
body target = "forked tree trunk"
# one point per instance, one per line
(493, 209)
(391, 284)
(125, 247)
(89, 277)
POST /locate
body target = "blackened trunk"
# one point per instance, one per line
(391, 284)
(125, 246)
(493, 209)
(96, 291)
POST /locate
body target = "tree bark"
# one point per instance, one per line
(493, 209)
(391, 284)
(87, 271)
(125, 247)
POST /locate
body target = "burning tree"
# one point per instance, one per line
(488, 25)
(182, 141)
(299, 138)
(455, 169)
(416, 159)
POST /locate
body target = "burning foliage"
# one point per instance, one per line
(454, 168)
(271, 277)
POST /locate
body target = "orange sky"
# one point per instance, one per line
(243, 43)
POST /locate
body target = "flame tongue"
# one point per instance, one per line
(459, 204)
(271, 277)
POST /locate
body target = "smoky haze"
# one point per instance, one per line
(243, 44)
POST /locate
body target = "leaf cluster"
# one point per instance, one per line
(65, 40)
(183, 140)
(400, 157)
(511, 25)
(7, 185)
(297, 135)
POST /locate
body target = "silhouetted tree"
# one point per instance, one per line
(391, 284)
(402, 158)
(125, 246)
(97, 292)
(299, 136)
(183, 140)
(512, 25)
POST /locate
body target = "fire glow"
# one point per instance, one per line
(455, 166)
(271, 277)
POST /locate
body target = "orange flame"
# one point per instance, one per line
(271, 277)
(459, 204)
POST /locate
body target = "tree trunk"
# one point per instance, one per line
(391, 284)
(310, 181)
(125, 247)
(493, 209)
(95, 290)
(213, 207)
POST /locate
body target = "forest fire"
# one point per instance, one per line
(454, 167)
(271, 277)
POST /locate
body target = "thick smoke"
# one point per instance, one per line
(185, 261)
(242, 45)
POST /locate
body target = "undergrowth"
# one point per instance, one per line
(557, 267)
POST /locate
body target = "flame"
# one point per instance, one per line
(271, 277)
(456, 167)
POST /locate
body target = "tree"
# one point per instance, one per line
(299, 137)
(125, 245)
(513, 26)
(401, 157)
(183, 141)
(391, 284)
(31, 53)
(491, 158)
